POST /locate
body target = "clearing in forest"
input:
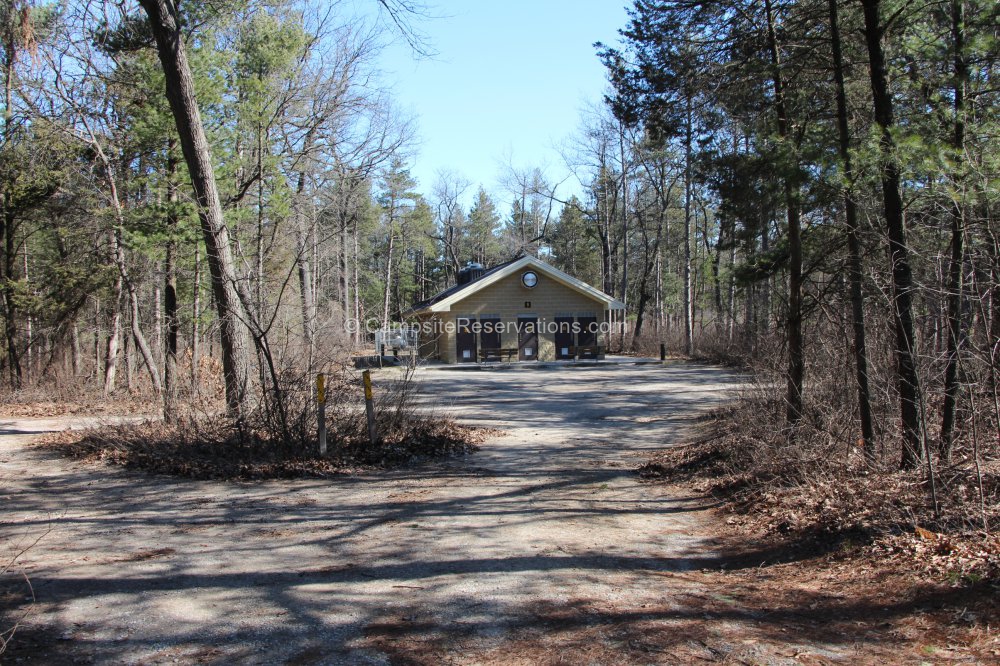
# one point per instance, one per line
(543, 546)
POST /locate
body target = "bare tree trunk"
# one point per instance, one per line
(8, 278)
(345, 276)
(237, 357)
(388, 275)
(731, 294)
(902, 277)
(717, 280)
(357, 290)
(75, 348)
(97, 340)
(625, 216)
(133, 300)
(114, 333)
(686, 295)
(8, 225)
(128, 358)
(659, 292)
(956, 269)
(29, 343)
(853, 244)
(195, 319)
(258, 282)
(142, 345)
(170, 292)
(796, 350)
(303, 254)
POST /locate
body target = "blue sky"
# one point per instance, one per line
(507, 86)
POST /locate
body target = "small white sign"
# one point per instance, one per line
(565, 351)
(528, 351)
(466, 354)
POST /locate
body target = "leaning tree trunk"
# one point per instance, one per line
(140, 341)
(133, 304)
(902, 276)
(853, 244)
(237, 357)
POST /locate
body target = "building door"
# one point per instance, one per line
(564, 338)
(527, 338)
(465, 341)
(489, 338)
(587, 340)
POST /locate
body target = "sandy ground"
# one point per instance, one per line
(461, 561)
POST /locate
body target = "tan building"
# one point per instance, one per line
(523, 310)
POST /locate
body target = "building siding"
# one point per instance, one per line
(508, 298)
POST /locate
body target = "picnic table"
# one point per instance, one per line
(507, 353)
(586, 351)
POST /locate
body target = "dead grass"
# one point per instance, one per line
(215, 449)
(868, 533)
(804, 487)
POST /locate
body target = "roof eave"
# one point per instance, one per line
(444, 305)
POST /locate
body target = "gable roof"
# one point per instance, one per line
(443, 301)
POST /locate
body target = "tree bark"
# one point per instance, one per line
(237, 357)
(170, 291)
(956, 271)
(195, 319)
(854, 274)
(388, 274)
(76, 352)
(686, 295)
(796, 348)
(902, 277)
(302, 255)
(8, 226)
(625, 215)
(114, 333)
(133, 301)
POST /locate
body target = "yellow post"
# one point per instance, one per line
(369, 407)
(321, 412)
(367, 376)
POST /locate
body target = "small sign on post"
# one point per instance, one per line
(369, 407)
(321, 412)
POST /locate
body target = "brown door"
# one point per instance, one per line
(489, 338)
(465, 341)
(527, 339)
(565, 340)
(587, 339)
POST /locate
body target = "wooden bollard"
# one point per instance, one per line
(663, 352)
(321, 412)
(370, 407)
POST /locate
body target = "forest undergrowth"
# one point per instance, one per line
(280, 440)
(815, 488)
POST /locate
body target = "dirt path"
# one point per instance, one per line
(542, 547)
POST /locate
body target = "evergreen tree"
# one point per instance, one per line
(484, 230)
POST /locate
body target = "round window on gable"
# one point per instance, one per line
(529, 279)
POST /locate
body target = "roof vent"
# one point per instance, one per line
(470, 273)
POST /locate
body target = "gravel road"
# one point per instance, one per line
(450, 559)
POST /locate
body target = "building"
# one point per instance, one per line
(523, 310)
